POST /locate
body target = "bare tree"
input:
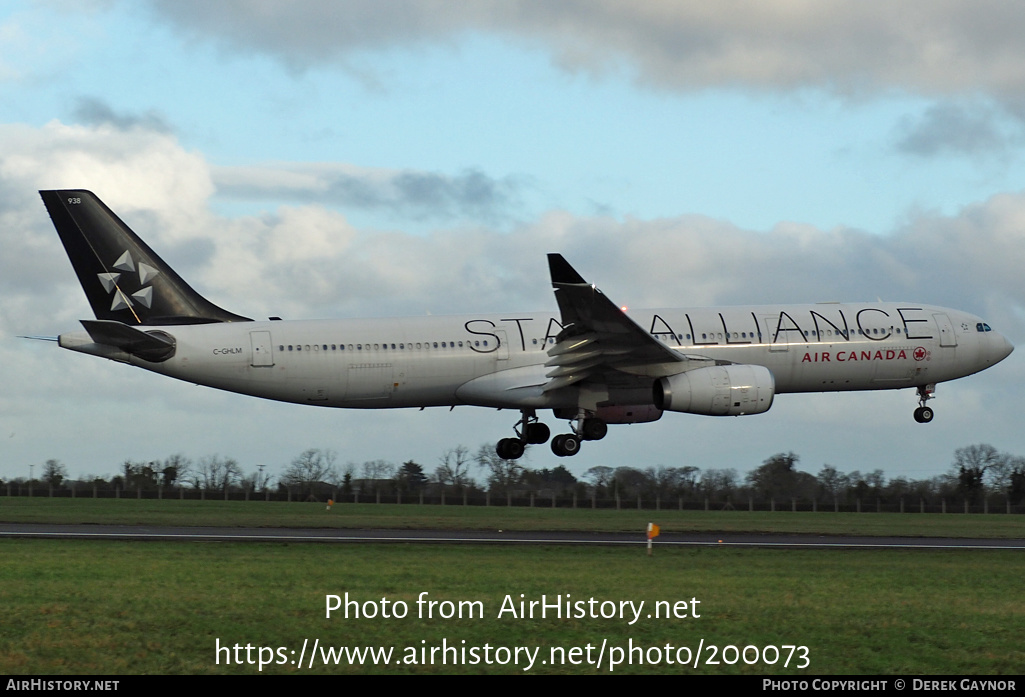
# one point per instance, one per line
(374, 472)
(309, 468)
(454, 468)
(177, 468)
(971, 464)
(215, 473)
(502, 473)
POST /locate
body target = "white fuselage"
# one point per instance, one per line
(499, 360)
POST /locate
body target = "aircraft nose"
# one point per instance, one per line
(1000, 348)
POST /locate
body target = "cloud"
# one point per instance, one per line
(952, 128)
(416, 195)
(933, 47)
(95, 112)
(309, 260)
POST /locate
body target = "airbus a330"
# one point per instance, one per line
(590, 363)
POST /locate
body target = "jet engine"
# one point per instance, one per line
(722, 390)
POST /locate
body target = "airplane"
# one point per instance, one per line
(592, 363)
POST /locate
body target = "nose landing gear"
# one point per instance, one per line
(924, 414)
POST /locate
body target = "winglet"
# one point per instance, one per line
(562, 272)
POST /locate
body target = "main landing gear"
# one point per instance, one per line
(530, 431)
(924, 414)
(585, 428)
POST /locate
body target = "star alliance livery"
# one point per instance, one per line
(591, 363)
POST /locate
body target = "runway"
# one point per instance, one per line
(356, 536)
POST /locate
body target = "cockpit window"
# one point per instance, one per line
(983, 327)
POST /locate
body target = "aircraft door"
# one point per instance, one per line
(502, 353)
(263, 351)
(947, 336)
(776, 343)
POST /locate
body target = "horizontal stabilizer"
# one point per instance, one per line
(153, 346)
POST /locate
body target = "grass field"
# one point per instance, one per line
(455, 517)
(79, 607)
(116, 608)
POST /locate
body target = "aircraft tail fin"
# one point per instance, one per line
(124, 280)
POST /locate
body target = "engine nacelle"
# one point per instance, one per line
(722, 390)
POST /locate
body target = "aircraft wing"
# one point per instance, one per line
(597, 335)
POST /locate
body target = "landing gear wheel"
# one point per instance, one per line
(509, 449)
(566, 445)
(538, 433)
(594, 429)
(923, 415)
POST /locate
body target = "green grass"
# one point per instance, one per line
(77, 607)
(452, 517)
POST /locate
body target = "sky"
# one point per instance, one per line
(410, 157)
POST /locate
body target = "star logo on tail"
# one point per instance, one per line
(120, 281)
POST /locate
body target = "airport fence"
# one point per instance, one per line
(953, 505)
